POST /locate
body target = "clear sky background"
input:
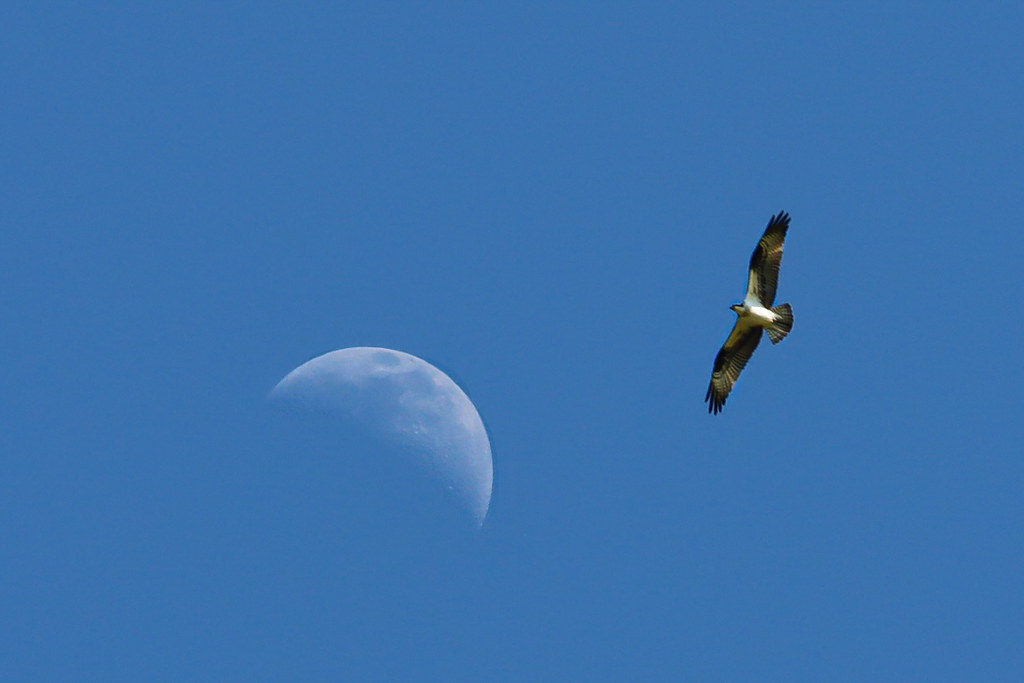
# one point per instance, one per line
(554, 203)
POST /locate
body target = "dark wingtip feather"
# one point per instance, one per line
(714, 402)
(781, 219)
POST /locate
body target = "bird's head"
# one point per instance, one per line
(736, 308)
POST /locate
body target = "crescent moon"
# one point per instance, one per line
(409, 402)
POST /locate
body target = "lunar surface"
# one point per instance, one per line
(409, 403)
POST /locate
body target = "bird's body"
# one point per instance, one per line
(754, 316)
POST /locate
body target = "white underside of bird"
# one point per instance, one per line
(755, 315)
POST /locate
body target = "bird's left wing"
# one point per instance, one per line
(729, 363)
(766, 260)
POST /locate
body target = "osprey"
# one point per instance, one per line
(754, 315)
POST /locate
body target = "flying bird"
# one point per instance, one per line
(754, 315)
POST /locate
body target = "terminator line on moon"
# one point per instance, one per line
(409, 401)
(755, 314)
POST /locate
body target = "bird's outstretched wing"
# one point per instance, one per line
(729, 363)
(765, 262)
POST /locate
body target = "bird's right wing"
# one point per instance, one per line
(766, 260)
(729, 363)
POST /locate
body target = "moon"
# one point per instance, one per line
(411, 404)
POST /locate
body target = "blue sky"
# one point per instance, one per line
(554, 204)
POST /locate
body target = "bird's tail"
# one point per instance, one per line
(783, 323)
